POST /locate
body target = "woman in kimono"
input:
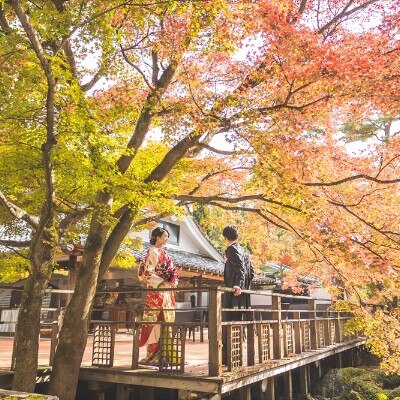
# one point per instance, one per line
(157, 271)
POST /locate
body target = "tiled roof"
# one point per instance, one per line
(199, 263)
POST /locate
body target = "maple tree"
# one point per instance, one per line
(275, 79)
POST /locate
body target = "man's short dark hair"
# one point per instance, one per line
(230, 233)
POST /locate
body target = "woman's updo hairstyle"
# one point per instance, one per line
(155, 233)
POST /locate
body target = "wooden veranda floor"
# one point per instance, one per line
(196, 353)
(196, 367)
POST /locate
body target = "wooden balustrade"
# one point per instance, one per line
(254, 340)
(264, 340)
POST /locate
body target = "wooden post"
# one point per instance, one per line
(122, 392)
(112, 345)
(277, 327)
(72, 275)
(313, 324)
(135, 346)
(318, 368)
(251, 334)
(327, 330)
(54, 341)
(14, 349)
(245, 393)
(229, 347)
(297, 332)
(199, 304)
(338, 330)
(304, 382)
(271, 389)
(215, 333)
(287, 379)
(338, 360)
(147, 392)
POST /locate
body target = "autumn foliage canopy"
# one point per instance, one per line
(281, 116)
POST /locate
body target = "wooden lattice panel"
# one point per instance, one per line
(172, 349)
(103, 345)
(306, 336)
(289, 339)
(321, 333)
(235, 346)
(264, 335)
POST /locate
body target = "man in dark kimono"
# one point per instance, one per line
(238, 273)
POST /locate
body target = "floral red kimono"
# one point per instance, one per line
(164, 302)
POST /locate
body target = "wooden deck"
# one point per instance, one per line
(194, 378)
(273, 342)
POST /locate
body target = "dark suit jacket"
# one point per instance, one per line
(238, 272)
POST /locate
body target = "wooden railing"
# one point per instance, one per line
(259, 336)
(266, 334)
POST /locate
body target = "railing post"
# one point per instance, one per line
(297, 332)
(313, 324)
(327, 330)
(251, 333)
(215, 332)
(338, 329)
(135, 345)
(54, 341)
(277, 331)
(14, 349)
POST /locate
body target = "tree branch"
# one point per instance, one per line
(345, 13)
(15, 243)
(353, 178)
(18, 212)
(217, 151)
(371, 225)
(145, 118)
(5, 27)
(260, 197)
(173, 156)
(50, 140)
(129, 62)
(72, 218)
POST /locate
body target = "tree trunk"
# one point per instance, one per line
(28, 324)
(73, 335)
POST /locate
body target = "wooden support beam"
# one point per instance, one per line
(122, 392)
(245, 393)
(251, 334)
(304, 380)
(297, 333)
(270, 392)
(53, 341)
(215, 333)
(199, 283)
(277, 327)
(313, 324)
(229, 347)
(135, 346)
(338, 330)
(339, 362)
(327, 331)
(288, 386)
(318, 368)
(147, 392)
(14, 349)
